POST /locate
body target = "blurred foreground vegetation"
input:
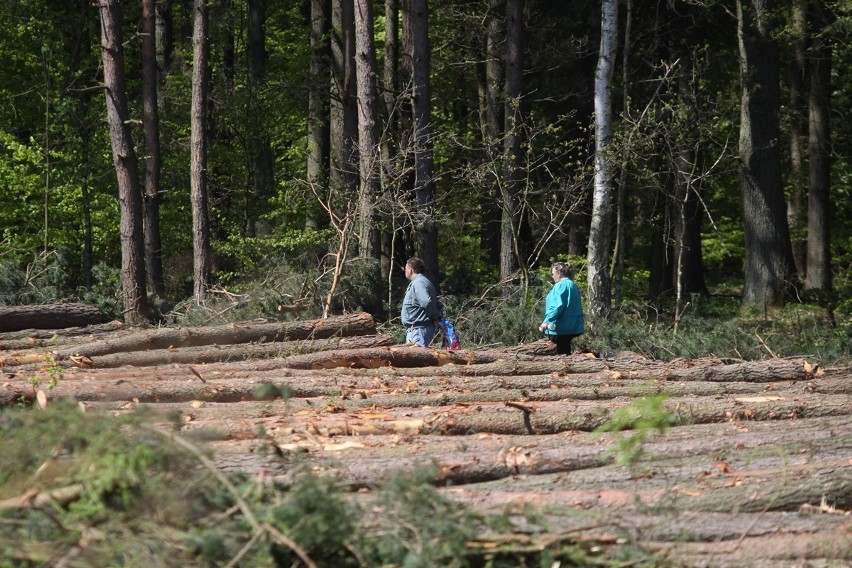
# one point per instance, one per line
(124, 492)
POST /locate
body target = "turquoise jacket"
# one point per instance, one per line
(563, 312)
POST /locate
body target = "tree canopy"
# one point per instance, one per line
(511, 156)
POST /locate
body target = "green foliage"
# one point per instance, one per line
(643, 417)
(716, 327)
(50, 372)
(313, 514)
(416, 526)
(42, 280)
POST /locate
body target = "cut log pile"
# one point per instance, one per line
(754, 468)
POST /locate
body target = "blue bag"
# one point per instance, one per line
(451, 338)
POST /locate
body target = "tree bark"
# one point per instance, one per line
(52, 316)
(318, 103)
(797, 204)
(518, 418)
(344, 102)
(519, 462)
(404, 356)
(165, 338)
(769, 267)
(153, 162)
(818, 276)
(492, 128)
(513, 172)
(368, 130)
(259, 146)
(198, 151)
(124, 158)
(216, 353)
(424, 181)
(31, 338)
(598, 258)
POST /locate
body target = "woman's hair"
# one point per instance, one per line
(563, 268)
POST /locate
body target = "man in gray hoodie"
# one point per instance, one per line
(420, 307)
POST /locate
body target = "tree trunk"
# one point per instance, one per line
(532, 418)
(769, 267)
(85, 198)
(390, 139)
(170, 338)
(318, 104)
(165, 44)
(689, 261)
(424, 180)
(124, 158)
(405, 356)
(600, 289)
(198, 150)
(391, 68)
(151, 121)
(513, 176)
(52, 316)
(34, 338)
(217, 353)
(518, 462)
(492, 129)
(368, 130)
(262, 175)
(819, 153)
(798, 202)
(657, 274)
(344, 102)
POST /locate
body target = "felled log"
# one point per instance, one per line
(403, 356)
(683, 455)
(48, 316)
(33, 338)
(217, 353)
(349, 325)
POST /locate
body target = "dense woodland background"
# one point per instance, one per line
(285, 158)
(199, 162)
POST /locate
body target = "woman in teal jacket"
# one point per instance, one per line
(563, 312)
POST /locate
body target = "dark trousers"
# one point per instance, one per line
(563, 343)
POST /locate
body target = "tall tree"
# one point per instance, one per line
(769, 267)
(151, 122)
(797, 204)
(424, 181)
(318, 100)
(391, 67)
(819, 152)
(262, 178)
(492, 123)
(368, 130)
(600, 288)
(688, 259)
(390, 140)
(513, 175)
(126, 169)
(343, 169)
(198, 151)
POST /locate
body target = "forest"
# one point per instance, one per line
(205, 212)
(253, 158)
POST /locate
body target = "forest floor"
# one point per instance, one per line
(703, 462)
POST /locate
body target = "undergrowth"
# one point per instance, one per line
(96, 490)
(817, 326)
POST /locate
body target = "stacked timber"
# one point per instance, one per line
(707, 461)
